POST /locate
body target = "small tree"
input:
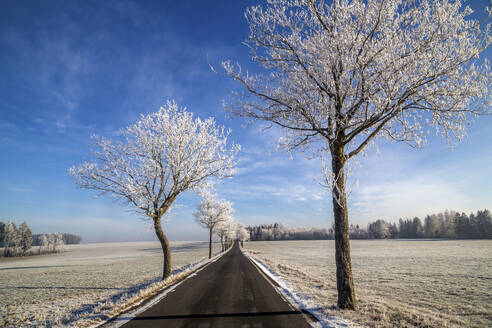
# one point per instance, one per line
(417, 228)
(25, 237)
(11, 239)
(222, 229)
(43, 244)
(242, 234)
(379, 229)
(211, 212)
(231, 234)
(162, 155)
(51, 242)
(342, 73)
(58, 243)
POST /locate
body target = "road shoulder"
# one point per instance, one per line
(150, 298)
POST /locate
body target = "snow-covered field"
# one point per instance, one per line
(399, 283)
(49, 289)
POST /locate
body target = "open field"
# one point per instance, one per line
(49, 287)
(399, 283)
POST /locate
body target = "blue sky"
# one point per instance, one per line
(69, 69)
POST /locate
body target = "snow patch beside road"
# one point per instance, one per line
(300, 301)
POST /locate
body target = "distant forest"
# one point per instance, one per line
(18, 241)
(449, 224)
(68, 239)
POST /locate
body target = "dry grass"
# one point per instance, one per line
(50, 289)
(398, 283)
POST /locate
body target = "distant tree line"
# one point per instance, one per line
(68, 239)
(19, 241)
(448, 224)
(277, 231)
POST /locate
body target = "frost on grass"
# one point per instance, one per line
(300, 300)
(89, 283)
(399, 283)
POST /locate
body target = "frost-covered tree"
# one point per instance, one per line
(432, 226)
(11, 239)
(222, 230)
(43, 243)
(58, 243)
(212, 212)
(162, 155)
(231, 234)
(51, 238)
(25, 235)
(278, 230)
(342, 73)
(241, 233)
(379, 229)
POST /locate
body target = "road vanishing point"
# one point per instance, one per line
(230, 292)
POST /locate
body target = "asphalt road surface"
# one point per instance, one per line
(230, 292)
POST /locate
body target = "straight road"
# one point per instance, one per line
(230, 292)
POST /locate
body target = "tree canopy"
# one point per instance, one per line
(161, 155)
(339, 74)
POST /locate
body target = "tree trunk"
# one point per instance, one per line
(345, 283)
(166, 250)
(210, 245)
(222, 242)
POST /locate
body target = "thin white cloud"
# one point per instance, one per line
(277, 188)
(414, 196)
